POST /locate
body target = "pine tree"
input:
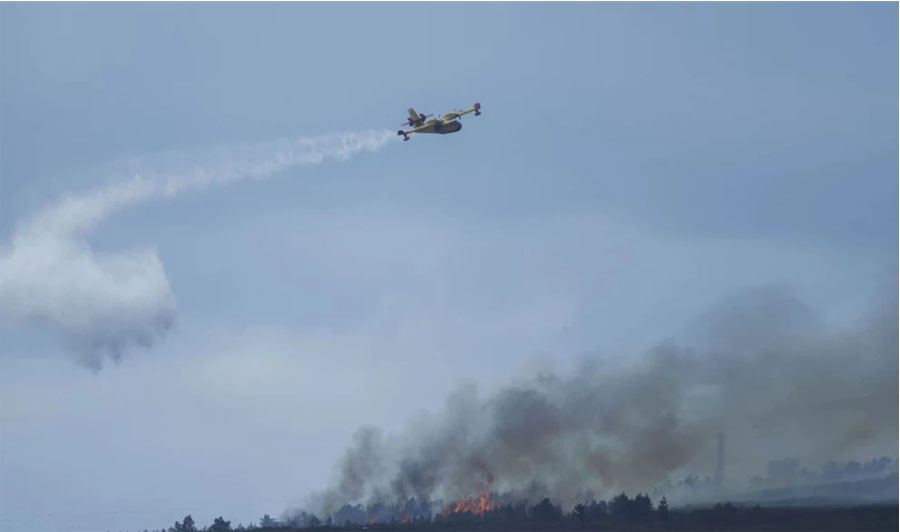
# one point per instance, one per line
(663, 509)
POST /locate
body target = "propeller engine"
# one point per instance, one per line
(410, 122)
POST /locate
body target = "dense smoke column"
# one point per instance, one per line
(764, 370)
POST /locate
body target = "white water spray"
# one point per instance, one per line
(103, 303)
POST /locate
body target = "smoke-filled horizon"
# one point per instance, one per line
(634, 164)
(760, 368)
(104, 303)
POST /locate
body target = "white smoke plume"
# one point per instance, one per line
(103, 303)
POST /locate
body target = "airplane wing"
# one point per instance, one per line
(458, 114)
(474, 109)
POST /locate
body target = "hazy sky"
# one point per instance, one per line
(634, 163)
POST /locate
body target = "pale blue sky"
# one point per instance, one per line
(634, 163)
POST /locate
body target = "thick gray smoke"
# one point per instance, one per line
(104, 303)
(762, 370)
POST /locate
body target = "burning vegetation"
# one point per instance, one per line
(762, 369)
(479, 506)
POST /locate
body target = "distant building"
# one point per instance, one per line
(720, 461)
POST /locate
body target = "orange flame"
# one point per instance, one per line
(484, 503)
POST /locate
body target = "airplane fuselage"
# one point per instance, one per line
(439, 126)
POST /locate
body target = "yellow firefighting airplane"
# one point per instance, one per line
(449, 123)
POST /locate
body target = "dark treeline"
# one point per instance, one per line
(619, 513)
(492, 510)
(506, 512)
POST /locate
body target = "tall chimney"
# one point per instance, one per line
(720, 462)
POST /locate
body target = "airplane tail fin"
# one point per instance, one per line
(414, 115)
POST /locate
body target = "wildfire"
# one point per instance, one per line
(484, 503)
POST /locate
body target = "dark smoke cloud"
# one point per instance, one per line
(762, 369)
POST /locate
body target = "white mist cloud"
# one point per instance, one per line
(104, 303)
